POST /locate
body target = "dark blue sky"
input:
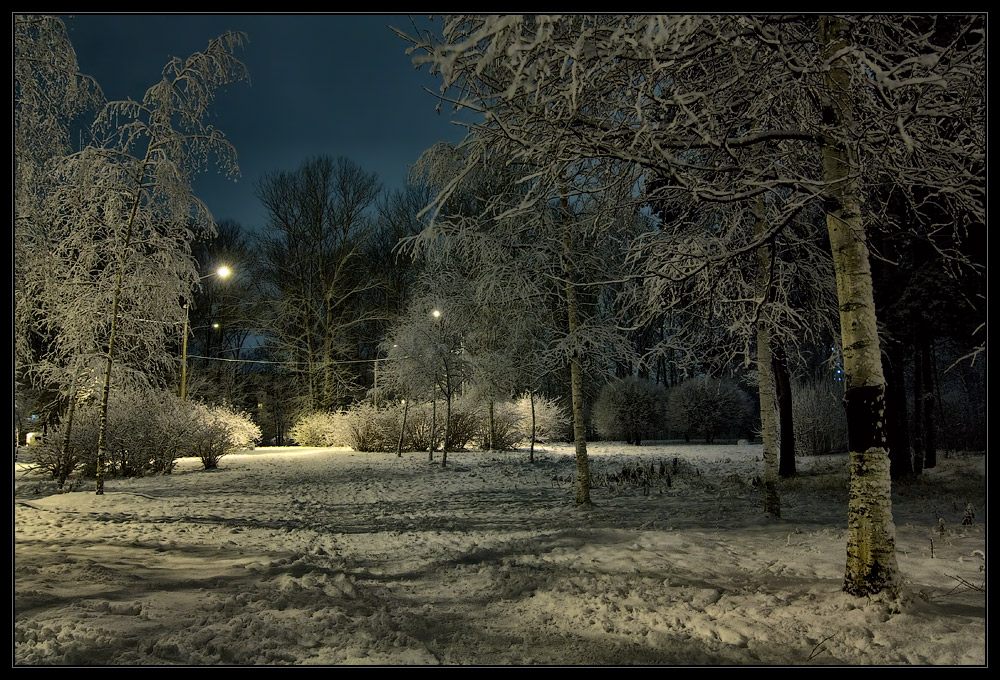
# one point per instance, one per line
(320, 84)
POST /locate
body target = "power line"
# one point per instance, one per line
(260, 361)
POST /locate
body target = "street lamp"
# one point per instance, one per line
(221, 272)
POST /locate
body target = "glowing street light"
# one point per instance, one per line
(221, 272)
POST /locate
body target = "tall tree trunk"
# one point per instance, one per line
(64, 467)
(402, 430)
(900, 455)
(579, 433)
(531, 451)
(447, 428)
(918, 410)
(768, 420)
(430, 447)
(786, 424)
(115, 305)
(871, 536)
(765, 379)
(927, 396)
(575, 368)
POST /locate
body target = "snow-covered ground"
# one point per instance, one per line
(327, 556)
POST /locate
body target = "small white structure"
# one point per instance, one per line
(33, 438)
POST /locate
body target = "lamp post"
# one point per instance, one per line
(221, 272)
(446, 389)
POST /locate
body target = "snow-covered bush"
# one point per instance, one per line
(512, 422)
(148, 430)
(506, 433)
(551, 419)
(710, 407)
(630, 409)
(165, 431)
(53, 459)
(465, 425)
(367, 428)
(135, 444)
(418, 428)
(222, 430)
(466, 421)
(319, 429)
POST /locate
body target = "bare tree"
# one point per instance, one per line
(312, 270)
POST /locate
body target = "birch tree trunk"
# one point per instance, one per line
(871, 545)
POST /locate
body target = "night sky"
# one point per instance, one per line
(320, 84)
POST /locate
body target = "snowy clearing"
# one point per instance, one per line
(327, 556)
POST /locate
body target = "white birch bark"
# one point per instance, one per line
(871, 550)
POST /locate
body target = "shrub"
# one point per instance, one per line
(148, 430)
(710, 407)
(221, 431)
(319, 429)
(418, 428)
(631, 409)
(367, 428)
(466, 422)
(551, 419)
(58, 462)
(512, 422)
(507, 427)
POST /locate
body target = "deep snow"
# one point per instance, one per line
(328, 556)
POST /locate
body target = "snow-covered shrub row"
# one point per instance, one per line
(630, 409)
(506, 431)
(512, 423)
(318, 429)
(363, 427)
(147, 431)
